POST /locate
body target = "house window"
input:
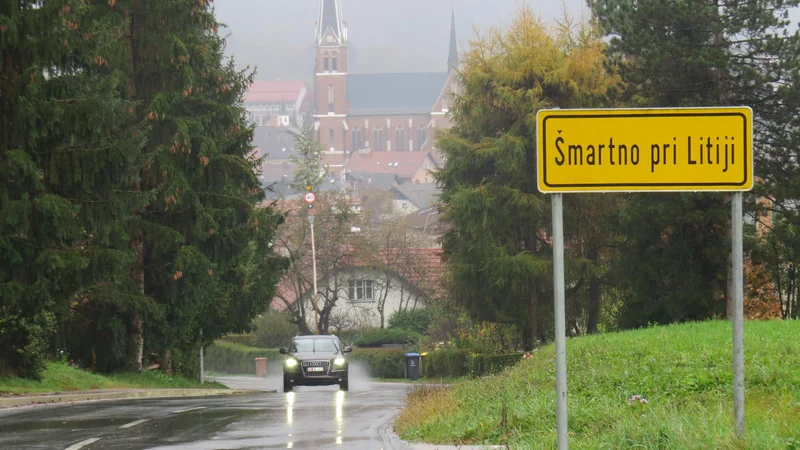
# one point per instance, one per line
(400, 137)
(330, 98)
(421, 138)
(360, 290)
(378, 138)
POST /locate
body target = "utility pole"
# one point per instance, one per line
(310, 198)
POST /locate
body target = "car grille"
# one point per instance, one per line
(307, 364)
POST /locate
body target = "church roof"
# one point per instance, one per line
(394, 93)
(330, 18)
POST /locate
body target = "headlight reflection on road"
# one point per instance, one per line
(339, 416)
(290, 409)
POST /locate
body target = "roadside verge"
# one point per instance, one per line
(118, 394)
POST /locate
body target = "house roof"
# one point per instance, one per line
(275, 143)
(274, 91)
(402, 164)
(422, 196)
(394, 93)
(375, 180)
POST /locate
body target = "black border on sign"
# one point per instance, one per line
(633, 115)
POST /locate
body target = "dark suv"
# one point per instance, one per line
(315, 361)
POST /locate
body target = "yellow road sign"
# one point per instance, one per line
(682, 149)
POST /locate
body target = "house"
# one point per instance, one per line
(409, 167)
(399, 279)
(409, 198)
(276, 145)
(278, 103)
(382, 112)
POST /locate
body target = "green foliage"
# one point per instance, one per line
(499, 266)
(274, 330)
(69, 153)
(381, 363)
(60, 377)
(310, 170)
(460, 363)
(684, 372)
(417, 320)
(376, 337)
(229, 358)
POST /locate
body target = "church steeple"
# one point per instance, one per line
(452, 59)
(331, 28)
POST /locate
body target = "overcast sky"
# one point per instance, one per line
(277, 36)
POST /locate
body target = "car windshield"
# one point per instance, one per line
(314, 345)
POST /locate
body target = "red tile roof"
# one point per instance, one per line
(404, 164)
(274, 91)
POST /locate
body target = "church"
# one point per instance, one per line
(375, 112)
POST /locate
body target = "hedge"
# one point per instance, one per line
(459, 363)
(232, 358)
(377, 337)
(381, 362)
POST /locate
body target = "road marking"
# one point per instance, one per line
(187, 410)
(82, 444)
(133, 424)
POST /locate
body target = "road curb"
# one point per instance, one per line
(134, 394)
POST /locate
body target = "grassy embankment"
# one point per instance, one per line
(59, 377)
(682, 371)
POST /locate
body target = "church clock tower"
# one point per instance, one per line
(330, 77)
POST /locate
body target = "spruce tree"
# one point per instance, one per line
(68, 157)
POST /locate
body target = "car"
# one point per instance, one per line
(316, 360)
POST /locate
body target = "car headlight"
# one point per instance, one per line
(339, 361)
(291, 362)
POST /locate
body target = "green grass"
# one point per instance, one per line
(59, 377)
(684, 371)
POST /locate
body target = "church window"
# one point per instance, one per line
(356, 139)
(332, 146)
(378, 138)
(327, 63)
(400, 137)
(330, 98)
(335, 63)
(421, 137)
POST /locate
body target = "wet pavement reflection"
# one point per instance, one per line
(309, 418)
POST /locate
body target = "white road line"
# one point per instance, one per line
(82, 444)
(187, 410)
(133, 424)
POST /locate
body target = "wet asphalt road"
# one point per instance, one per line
(309, 418)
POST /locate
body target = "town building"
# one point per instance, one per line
(278, 103)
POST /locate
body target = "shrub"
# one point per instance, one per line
(418, 320)
(459, 363)
(378, 337)
(228, 357)
(273, 330)
(381, 362)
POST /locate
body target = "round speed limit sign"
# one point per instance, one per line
(310, 198)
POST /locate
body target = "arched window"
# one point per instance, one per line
(327, 63)
(379, 144)
(335, 63)
(332, 146)
(331, 98)
(356, 139)
(421, 137)
(400, 138)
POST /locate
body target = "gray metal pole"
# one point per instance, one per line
(738, 313)
(560, 327)
(202, 368)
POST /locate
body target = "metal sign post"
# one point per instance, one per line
(561, 321)
(646, 150)
(202, 368)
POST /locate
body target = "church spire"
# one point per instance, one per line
(452, 59)
(331, 29)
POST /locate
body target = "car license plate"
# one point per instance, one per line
(315, 369)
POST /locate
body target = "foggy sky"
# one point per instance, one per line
(277, 36)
